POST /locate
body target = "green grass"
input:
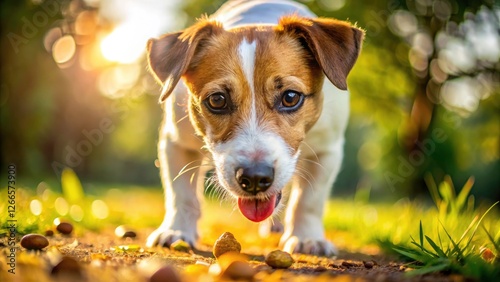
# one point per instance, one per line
(454, 236)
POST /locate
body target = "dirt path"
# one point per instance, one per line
(97, 257)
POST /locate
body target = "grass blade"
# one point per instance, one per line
(471, 224)
(71, 186)
(421, 236)
(433, 189)
(456, 247)
(479, 222)
(408, 254)
(495, 245)
(429, 269)
(464, 193)
(439, 251)
(424, 250)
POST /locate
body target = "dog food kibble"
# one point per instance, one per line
(239, 270)
(279, 259)
(166, 273)
(65, 228)
(123, 231)
(34, 242)
(226, 243)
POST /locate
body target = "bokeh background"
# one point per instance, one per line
(76, 91)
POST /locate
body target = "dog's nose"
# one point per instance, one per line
(256, 178)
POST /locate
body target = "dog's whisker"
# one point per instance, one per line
(186, 170)
(309, 186)
(315, 163)
(212, 182)
(304, 175)
(312, 150)
(182, 118)
(304, 170)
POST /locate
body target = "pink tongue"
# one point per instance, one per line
(257, 210)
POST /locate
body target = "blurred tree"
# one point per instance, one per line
(53, 113)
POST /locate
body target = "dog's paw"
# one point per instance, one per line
(165, 237)
(317, 247)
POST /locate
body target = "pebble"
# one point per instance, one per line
(279, 259)
(67, 265)
(166, 273)
(180, 246)
(320, 269)
(65, 228)
(226, 243)
(49, 233)
(239, 270)
(349, 264)
(368, 264)
(123, 231)
(34, 242)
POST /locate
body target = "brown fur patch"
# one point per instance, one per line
(290, 56)
(281, 64)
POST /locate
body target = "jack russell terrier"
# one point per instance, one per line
(255, 91)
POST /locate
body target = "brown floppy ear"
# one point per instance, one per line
(169, 56)
(335, 44)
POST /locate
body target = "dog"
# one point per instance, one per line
(264, 87)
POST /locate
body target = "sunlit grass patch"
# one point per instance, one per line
(451, 235)
(453, 241)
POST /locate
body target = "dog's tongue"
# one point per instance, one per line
(257, 210)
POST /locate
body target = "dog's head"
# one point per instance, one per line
(254, 94)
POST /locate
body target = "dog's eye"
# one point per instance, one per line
(217, 103)
(291, 101)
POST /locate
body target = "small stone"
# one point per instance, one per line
(124, 231)
(49, 233)
(226, 243)
(34, 242)
(166, 273)
(180, 246)
(68, 266)
(239, 270)
(263, 268)
(320, 269)
(368, 264)
(65, 228)
(349, 264)
(279, 259)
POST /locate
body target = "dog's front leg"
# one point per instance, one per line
(304, 231)
(182, 206)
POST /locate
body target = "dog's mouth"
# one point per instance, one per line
(257, 210)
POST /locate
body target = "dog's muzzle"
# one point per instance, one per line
(255, 179)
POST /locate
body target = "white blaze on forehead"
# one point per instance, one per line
(253, 141)
(246, 51)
